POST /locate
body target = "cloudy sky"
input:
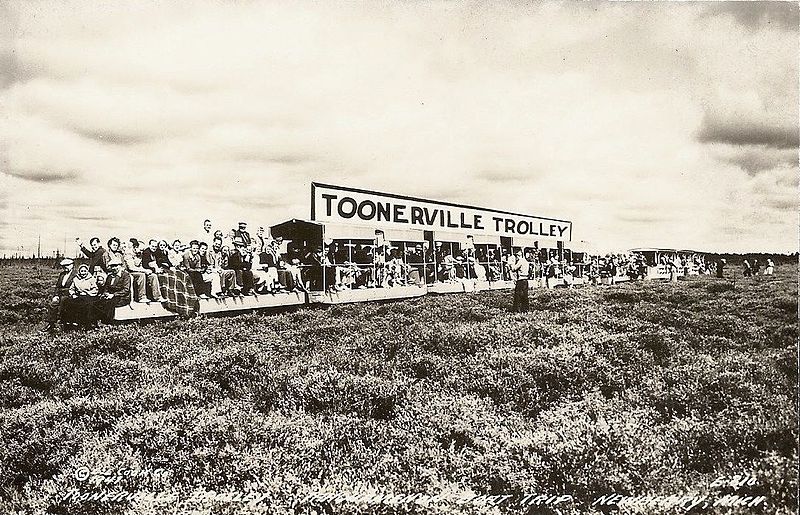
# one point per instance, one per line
(669, 124)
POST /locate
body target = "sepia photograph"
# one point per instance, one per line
(399, 257)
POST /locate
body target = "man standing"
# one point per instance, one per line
(243, 234)
(721, 267)
(206, 235)
(60, 292)
(508, 263)
(520, 272)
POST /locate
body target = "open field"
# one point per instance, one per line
(644, 388)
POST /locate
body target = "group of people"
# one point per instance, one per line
(339, 265)
(83, 298)
(752, 270)
(216, 264)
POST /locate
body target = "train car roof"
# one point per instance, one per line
(652, 249)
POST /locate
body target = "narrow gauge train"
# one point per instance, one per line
(362, 246)
(376, 246)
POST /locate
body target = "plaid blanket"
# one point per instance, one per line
(177, 288)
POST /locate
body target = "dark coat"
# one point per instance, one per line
(96, 258)
(63, 291)
(119, 285)
(236, 262)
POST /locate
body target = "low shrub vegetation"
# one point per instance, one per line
(642, 388)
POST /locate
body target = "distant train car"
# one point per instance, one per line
(660, 260)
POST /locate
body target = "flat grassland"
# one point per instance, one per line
(644, 388)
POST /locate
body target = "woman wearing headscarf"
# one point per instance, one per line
(79, 308)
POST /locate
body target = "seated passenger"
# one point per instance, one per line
(175, 254)
(345, 270)
(162, 256)
(362, 267)
(143, 278)
(265, 271)
(114, 251)
(293, 275)
(447, 270)
(459, 266)
(320, 273)
(96, 255)
(478, 271)
(84, 284)
(217, 263)
(494, 268)
(211, 280)
(416, 262)
(117, 289)
(192, 264)
(81, 308)
(60, 292)
(430, 264)
(241, 263)
(395, 270)
(150, 257)
(273, 260)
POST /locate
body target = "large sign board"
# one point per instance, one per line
(350, 205)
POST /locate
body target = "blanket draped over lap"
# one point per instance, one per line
(177, 289)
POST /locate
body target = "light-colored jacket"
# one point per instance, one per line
(84, 287)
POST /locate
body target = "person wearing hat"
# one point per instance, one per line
(117, 290)
(241, 263)
(60, 292)
(243, 234)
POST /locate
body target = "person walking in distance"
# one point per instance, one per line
(519, 271)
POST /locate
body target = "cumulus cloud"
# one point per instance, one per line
(634, 120)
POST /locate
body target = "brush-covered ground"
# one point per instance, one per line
(644, 388)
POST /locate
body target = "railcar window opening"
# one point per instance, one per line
(445, 260)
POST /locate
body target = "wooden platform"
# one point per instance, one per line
(136, 310)
(367, 294)
(449, 287)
